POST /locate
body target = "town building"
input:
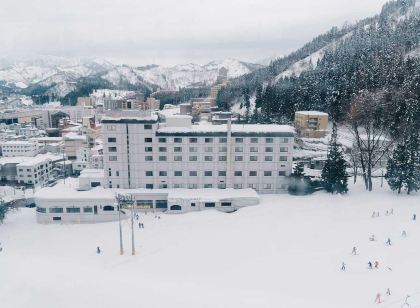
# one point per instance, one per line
(19, 148)
(143, 152)
(311, 124)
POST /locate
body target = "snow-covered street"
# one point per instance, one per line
(286, 252)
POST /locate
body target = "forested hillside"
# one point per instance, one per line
(376, 54)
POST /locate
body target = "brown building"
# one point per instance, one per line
(311, 124)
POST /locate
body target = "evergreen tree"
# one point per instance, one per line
(297, 185)
(334, 174)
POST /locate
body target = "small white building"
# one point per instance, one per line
(36, 171)
(19, 148)
(68, 203)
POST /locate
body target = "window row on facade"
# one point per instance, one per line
(208, 158)
(238, 140)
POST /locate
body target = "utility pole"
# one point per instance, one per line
(126, 200)
(133, 249)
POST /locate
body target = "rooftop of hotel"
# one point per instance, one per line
(312, 113)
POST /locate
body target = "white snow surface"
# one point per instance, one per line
(285, 252)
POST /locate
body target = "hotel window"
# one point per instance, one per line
(208, 140)
(148, 158)
(222, 140)
(221, 186)
(268, 158)
(268, 173)
(269, 140)
(73, 210)
(222, 158)
(283, 158)
(223, 149)
(239, 149)
(177, 173)
(238, 173)
(267, 186)
(147, 126)
(177, 140)
(253, 186)
(148, 149)
(253, 158)
(222, 173)
(237, 186)
(87, 209)
(253, 149)
(161, 204)
(283, 149)
(282, 173)
(226, 203)
(239, 158)
(113, 158)
(56, 210)
(192, 186)
(269, 149)
(208, 149)
(112, 139)
(209, 204)
(193, 158)
(208, 185)
(177, 149)
(149, 173)
(148, 140)
(193, 140)
(208, 158)
(145, 204)
(193, 173)
(112, 149)
(149, 186)
(239, 140)
(163, 186)
(162, 140)
(162, 149)
(254, 140)
(163, 173)
(162, 158)
(284, 140)
(208, 173)
(193, 149)
(177, 158)
(252, 173)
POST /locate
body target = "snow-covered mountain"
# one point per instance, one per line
(185, 75)
(58, 76)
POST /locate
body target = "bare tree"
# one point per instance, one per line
(368, 121)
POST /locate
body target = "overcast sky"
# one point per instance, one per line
(168, 32)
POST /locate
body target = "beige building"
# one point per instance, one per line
(311, 124)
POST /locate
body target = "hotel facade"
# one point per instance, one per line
(145, 152)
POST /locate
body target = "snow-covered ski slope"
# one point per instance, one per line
(286, 252)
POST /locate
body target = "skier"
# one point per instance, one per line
(372, 238)
(139, 225)
(406, 304)
(373, 214)
(392, 211)
(388, 292)
(388, 242)
(414, 216)
(98, 250)
(386, 213)
(370, 265)
(354, 251)
(137, 216)
(404, 234)
(142, 226)
(376, 264)
(378, 298)
(343, 266)
(377, 214)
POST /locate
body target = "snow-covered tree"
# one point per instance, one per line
(334, 174)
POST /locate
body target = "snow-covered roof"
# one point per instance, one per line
(211, 193)
(74, 136)
(205, 127)
(39, 159)
(312, 113)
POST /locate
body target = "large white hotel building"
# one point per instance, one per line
(147, 152)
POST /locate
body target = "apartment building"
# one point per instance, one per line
(19, 148)
(36, 171)
(311, 124)
(143, 152)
